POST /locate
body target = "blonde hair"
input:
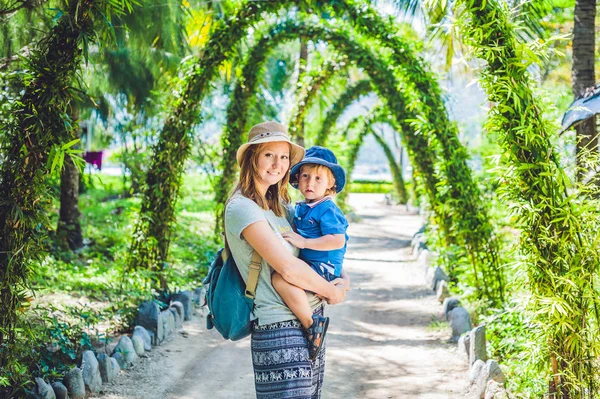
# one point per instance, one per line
(276, 196)
(317, 169)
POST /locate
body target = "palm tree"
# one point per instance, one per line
(583, 75)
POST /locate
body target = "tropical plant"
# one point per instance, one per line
(36, 140)
(583, 78)
(558, 223)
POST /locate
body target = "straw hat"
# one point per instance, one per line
(269, 132)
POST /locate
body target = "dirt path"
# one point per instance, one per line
(380, 343)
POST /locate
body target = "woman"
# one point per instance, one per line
(256, 216)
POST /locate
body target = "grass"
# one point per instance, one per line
(98, 272)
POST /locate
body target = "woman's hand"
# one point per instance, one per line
(339, 292)
(295, 239)
(343, 282)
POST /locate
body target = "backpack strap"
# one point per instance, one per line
(254, 267)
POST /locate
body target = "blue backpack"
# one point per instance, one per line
(231, 301)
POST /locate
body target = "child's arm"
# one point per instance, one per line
(328, 242)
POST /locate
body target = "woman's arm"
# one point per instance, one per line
(260, 236)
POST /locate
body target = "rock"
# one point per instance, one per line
(125, 346)
(180, 309)
(185, 298)
(495, 390)
(115, 366)
(138, 345)
(148, 317)
(495, 372)
(415, 240)
(448, 305)
(141, 332)
(168, 323)
(110, 348)
(43, 390)
(476, 370)
(106, 365)
(74, 383)
(438, 275)
(60, 390)
(442, 291)
(198, 296)
(477, 347)
(460, 322)
(171, 321)
(177, 318)
(152, 337)
(120, 359)
(489, 372)
(463, 345)
(91, 372)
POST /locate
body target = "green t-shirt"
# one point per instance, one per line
(240, 213)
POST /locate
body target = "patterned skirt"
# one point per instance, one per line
(282, 368)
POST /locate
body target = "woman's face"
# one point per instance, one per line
(273, 163)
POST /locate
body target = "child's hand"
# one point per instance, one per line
(295, 239)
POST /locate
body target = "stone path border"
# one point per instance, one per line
(485, 375)
(153, 327)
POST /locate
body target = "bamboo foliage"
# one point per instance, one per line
(559, 239)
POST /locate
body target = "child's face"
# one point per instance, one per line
(313, 184)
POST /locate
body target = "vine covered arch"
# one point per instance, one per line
(387, 86)
(360, 88)
(314, 80)
(382, 78)
(470, 227)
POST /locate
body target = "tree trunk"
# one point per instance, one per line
(583, 75)
(68, 230)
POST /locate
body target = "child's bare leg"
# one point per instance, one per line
(295, 298)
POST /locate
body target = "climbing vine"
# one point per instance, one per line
(36, 139)
(313, 82)
(463, 217)
(559, 239)
(396, 169)
(361, 54)
(151, 238)
(358, 89)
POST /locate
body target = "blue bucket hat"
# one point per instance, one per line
(320, 156)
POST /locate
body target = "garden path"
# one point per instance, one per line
(382, 341)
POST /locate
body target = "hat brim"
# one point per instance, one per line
(338, 172)
(296, 151)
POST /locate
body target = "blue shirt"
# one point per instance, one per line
(319, 220)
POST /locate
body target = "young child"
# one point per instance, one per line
(321, 236)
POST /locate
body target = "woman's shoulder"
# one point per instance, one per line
(238, 206)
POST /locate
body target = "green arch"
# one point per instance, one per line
(382, 78)
(315, 80)
(461, 198)
(151, 235)
(396, 169)
(360, 88)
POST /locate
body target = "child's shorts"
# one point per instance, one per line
(325, 270)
